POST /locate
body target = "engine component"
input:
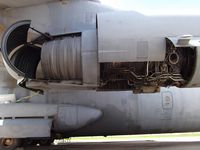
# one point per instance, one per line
(61, 58)
(21, 57)
(52, 60)
(175, 70)
(173, 58)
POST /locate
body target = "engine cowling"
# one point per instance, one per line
(118, 55)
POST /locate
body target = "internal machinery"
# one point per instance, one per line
(175, 70)
(53, 59)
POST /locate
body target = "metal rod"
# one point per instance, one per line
(45, 35)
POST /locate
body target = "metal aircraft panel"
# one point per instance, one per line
(21, 3)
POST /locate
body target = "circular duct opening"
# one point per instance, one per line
(174, 58)
(21, 57)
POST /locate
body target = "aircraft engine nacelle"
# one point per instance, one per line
(127, 51)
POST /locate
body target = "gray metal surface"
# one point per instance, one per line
(58, 22)
(61, 59)
(71, 118)
(27, 110)
(129, 36)
(7, 98)
(171, 110)
(23, 128)
(65, 118)
(70, 85)
(21, 3)
(90, 65)
(185, 41)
